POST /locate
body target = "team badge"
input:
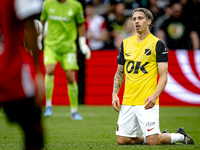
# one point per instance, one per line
(70, 12)
(147, 52)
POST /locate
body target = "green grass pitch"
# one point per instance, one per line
(97, 130)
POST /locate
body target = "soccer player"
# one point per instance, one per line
(64, 17)
(140, 59)
(19, 97)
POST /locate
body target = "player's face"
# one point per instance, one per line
(140, 22)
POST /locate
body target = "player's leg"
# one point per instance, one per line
(28, 116)
(167, 138)
(50, 61)
(49, 85)
(73, 94)
(180, 136)
(154, 140)
(128, 130)
(163, 139)
(149, 122)
(69, 64)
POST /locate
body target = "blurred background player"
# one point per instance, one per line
(115, 26)
(96, 30)
(177, 32)
(64, 17)
(19, 97)
(127, 31)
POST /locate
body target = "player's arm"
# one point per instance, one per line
(31, 40)
(79, 17)
(162, 70)
(82, 41)
(119, 78)
(81, 29)
(43, 25)
(162, 62)
(118, 81)
(39, 29)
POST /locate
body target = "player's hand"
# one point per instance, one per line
(84, 47)
(39, 82)
(115, 100)
(151, 101)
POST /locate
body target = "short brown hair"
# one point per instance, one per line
(147, 13)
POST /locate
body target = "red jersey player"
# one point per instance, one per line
(18, 94)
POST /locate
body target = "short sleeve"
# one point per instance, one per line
(120, 57)
(161, 52)
(27, 8)
(80, 15)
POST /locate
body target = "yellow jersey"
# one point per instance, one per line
(140, 67)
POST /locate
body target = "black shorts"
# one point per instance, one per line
(22, 111)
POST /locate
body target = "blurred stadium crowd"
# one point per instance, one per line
(176, 22)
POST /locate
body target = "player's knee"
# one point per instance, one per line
(50, 73)
(70, 76)
(50, 69)
(120, 140)
(70, 80)
(153, 140)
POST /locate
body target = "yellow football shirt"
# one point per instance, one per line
(140, 67)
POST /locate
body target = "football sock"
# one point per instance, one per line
(73, 96)
(49, 89)
(48, 103)
(177, 137)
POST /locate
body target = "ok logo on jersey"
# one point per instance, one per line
(135, 67)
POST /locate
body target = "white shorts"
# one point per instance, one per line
(135, 121)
